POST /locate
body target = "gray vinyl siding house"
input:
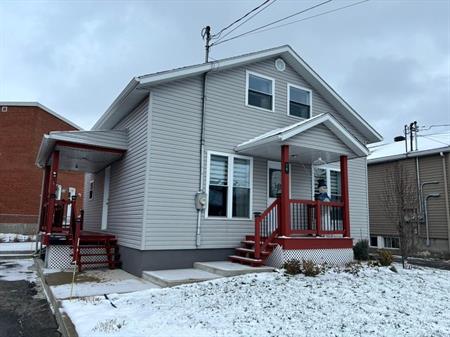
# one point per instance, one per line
(429, 166)
(151, 207)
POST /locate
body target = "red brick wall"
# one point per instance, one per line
(21, 131)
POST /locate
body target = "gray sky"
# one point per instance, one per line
(389, 59)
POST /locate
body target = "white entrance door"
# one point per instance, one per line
(106, 198)
(273, 180)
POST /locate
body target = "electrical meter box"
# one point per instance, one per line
(200, 200)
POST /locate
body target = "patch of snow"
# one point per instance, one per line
(109, 281)
(18, 246)
(17, 270)
(375, 302)
(11, 237)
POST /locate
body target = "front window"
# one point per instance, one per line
(299, 102)
(330, 181)
(91, 189)
(260, 91)
(230, 187)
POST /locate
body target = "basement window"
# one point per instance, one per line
(391, 242)
(260, 91)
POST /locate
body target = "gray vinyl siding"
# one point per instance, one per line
(173, 165)
(127, 184)
(358, 198)
(106, 138)
(328, 140)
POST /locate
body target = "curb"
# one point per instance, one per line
(65, 325)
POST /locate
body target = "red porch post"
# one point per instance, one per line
(344, 193)
(285, 204)
(52, 191)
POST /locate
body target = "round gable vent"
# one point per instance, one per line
(280, 65)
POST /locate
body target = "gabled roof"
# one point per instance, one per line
(284, 134)
(43, 107)
(135, 92)
(427, 144)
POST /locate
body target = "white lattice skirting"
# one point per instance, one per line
(338, 256)
(59, 257)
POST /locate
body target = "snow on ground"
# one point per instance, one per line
(18, 246)
(11, 237)
(16, 270)
(376, 302)
(103, 282)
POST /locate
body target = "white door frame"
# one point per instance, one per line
(106, 180)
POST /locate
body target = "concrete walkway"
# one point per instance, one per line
(202, 271)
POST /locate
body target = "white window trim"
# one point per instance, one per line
(247, 75)
(230, 157)
(289, 85)
(91, 183)
(327, 168)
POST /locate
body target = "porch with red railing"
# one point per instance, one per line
(61, 221)
(298, 224)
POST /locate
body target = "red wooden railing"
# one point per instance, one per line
(307, 217)
(316, 217)
(266, 227)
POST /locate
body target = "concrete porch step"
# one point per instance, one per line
(227, 268)
(174, 277)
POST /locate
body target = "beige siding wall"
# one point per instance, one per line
(430, 168)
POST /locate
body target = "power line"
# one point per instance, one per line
(216, 36)
(260, 10)
(312, 16)
(274, 22)
(433, 139)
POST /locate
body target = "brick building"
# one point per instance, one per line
(22, 125)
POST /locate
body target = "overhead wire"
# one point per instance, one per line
(273, 22)
(216, 36)
(248, 19)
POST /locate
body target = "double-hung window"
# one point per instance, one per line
(299, 101)
(229, 186)
(260, 91)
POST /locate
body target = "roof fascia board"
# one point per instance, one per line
(408, 155)
(150, 80)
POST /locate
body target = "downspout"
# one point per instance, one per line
(202, 162)
(419, 192)
(447, 206)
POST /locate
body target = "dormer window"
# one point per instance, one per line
(299, 101)
(260, 90)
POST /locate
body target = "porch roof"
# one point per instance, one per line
(321, 136)
(85, 151)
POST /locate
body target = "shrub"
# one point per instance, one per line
(293, 267)
(352, 268)
(309, 268)
(385, 257)
(361, 250)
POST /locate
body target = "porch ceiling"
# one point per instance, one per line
(319, 137)
(85, 151)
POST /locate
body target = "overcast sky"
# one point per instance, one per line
(389, 59)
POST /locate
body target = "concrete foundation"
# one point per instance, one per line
(136, 261)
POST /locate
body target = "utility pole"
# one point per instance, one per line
(206, 35)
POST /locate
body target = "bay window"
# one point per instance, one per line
(229, 186)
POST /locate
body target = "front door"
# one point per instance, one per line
(105, 198)
(273, 180)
